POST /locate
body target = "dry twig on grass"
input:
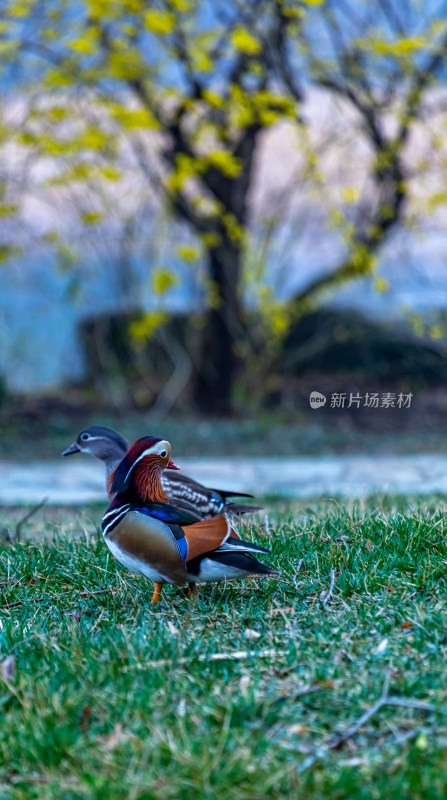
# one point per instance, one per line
(18, 528)
(326, 596)
(337, 741)
(235, 655)
(309, 689)
(45, 597)
(298, 567)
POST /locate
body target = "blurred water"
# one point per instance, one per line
(82, 480)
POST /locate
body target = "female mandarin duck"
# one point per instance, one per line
(109, 446)
(166, 543)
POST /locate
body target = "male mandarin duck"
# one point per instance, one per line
(110, 447)
(166, 543)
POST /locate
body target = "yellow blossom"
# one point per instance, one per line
(163, 280)
(245, 42)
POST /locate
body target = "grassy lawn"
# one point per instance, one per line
(248, 690)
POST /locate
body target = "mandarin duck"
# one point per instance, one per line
(110, 447)
(166, 543)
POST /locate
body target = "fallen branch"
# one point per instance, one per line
(18, 603)
(326, 596)
(236, 655)
(298, 567)
(349, 732)
(384, 700)
(401, 702)
(21, 522)
(309, 689)
(46, 597)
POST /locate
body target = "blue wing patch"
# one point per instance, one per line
(166, 513)
(182, 545)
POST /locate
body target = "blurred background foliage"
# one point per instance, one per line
(220, 171)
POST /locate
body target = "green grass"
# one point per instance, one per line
(113, 698)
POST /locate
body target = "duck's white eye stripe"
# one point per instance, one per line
(150, 451)
(146, 453)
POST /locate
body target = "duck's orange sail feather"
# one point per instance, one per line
(206, 535)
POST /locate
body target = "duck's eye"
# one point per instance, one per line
(163, 454)
(85, 437)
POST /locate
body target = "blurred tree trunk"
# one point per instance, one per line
(218, 367)
(219, 362)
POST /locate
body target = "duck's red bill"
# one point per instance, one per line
(171, 465)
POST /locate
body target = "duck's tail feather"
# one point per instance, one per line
(220, 566)
(238, 509)
(232, 545)
(226, 493)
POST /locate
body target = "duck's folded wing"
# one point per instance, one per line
(209, 534)
(183, 488)
(172, 515)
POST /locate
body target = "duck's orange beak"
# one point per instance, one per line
(171, 465)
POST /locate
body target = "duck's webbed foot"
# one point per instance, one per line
(157, 592)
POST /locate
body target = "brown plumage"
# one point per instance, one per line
(148, 480)
(206, 535)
